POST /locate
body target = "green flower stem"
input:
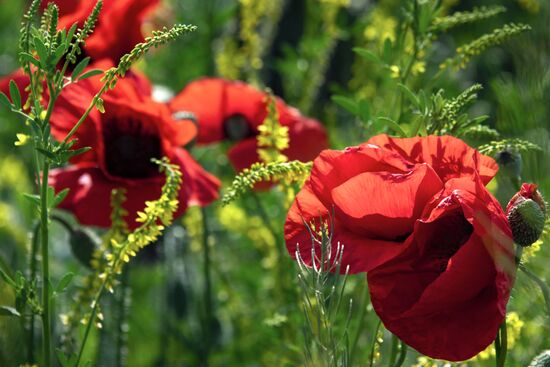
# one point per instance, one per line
(373, 344)
(32, 267)
(87, 112)
(91, 320)
(363, 312)
(44, 228)
(394, 348)
(122, 305)
(501, 359)
(402, 355)
(207, 290)
(263, 215)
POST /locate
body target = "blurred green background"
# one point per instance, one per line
(302, 50)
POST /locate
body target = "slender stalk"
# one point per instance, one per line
(394, 348)
(32, 267)
(122, 305)
(91, 320)
(44, 227)
(362, 314)
(263, 215)
(86, 113)
(207, 289)
(501, 360)
(402, 355)
(374, 341)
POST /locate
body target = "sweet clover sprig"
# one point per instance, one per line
(293, 171)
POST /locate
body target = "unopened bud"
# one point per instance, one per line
(526, 213)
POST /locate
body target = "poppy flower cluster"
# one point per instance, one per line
(415, 214)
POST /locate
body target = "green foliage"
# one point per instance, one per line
(293, 171)
(518, 145)
(83, 33)
(326, 334)
(449, 116)
(465, 53)
(158, 38)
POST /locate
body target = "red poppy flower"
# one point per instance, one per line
(118, 28)
(377, 191)
(233, 110)
(446, 294)
(133, 130)
(415, 214)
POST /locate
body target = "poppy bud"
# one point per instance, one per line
(526, 213)
(83, 244)
(542, 360)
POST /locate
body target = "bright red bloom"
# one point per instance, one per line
(415, 214)
(377, 191)
(133, 130)
(118, 28)
(446, 294)
(232, 110)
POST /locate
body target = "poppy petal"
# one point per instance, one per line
(385, 205)
(360, 253)
(450, 157)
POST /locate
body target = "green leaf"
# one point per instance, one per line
(8, 311)
(7, 278)
(59, 52)
(61, 195)
(29, 58)
(90, 74)
(47, 153)
(71, 33)
(392, 125)
(79, 68)
(33, 199)
(64, 282)
(41, 50)
(346, 103)
(15, 95)
(367, 54)
(5, 101)
(409, 94)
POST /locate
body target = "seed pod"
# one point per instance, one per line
(526, 213)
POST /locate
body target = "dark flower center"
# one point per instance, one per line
(443, 238)
(129, 148)
(237, 128)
